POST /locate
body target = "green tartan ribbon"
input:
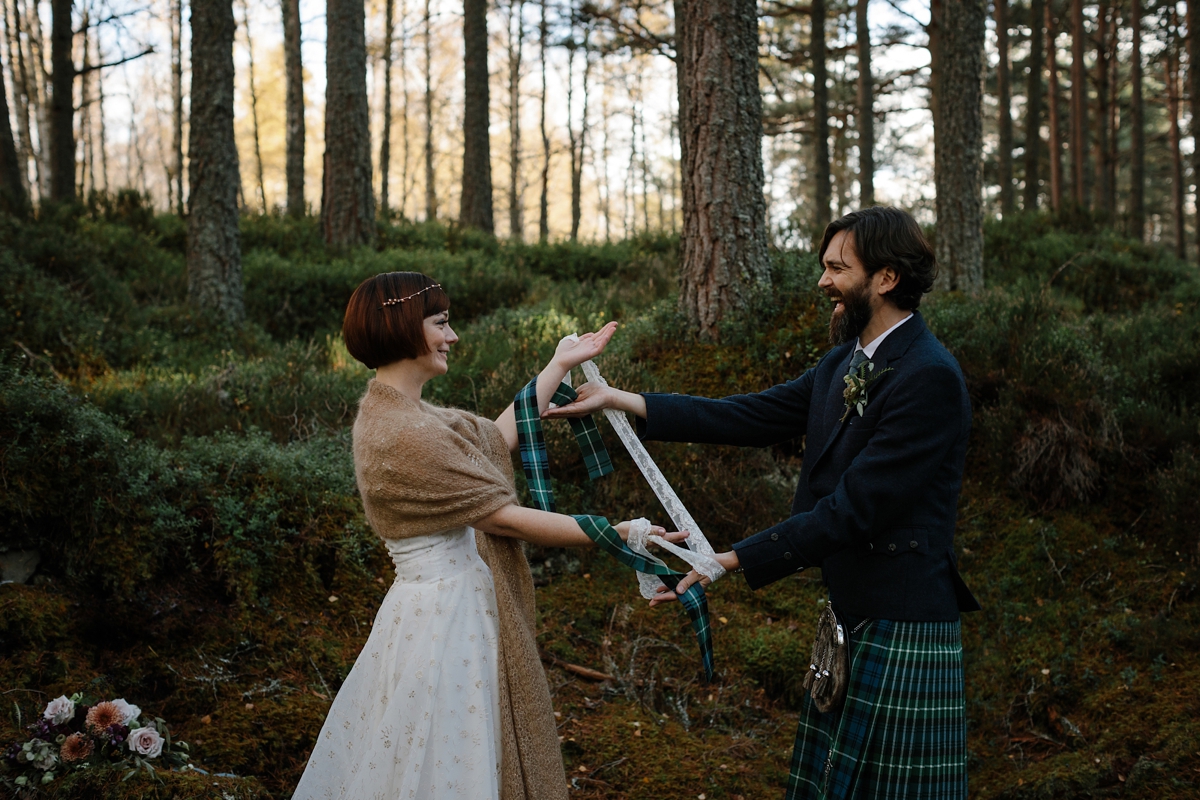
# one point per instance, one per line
(536, 464)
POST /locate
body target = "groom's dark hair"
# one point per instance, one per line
(888, 237)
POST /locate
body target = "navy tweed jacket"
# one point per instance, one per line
(877, 500)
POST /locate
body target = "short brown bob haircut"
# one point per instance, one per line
(888, 237)
(378, 334)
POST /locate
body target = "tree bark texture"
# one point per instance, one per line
(20, 100)
(1033, 105)
(214, 258)
(866, 107)
(294, 77)
(543, 198)
(12, 188)
(1137, 130)
(62, 103)
(258, 161)
(39, 97)
(476, 210)
(1171, 78)
(177, 103)
(1004, 100)
(1055, 101)
(822, 196)
(959, 145)
(724, 244)
(347, 199)
(385, 146)
(516, 41)
(431, 201)
(1079, 108)
(1103, 190)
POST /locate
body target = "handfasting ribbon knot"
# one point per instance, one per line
(535, 463)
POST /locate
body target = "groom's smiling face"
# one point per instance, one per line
(848, 287)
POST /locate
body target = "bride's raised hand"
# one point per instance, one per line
(573, 351)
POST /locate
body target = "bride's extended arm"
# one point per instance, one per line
(547, 529)
(569, 354)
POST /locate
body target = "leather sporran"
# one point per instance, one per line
(829, 668)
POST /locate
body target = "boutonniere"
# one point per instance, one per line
(857, 384)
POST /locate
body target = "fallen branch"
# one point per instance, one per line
(575, 669)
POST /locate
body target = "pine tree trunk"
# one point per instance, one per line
(1004, 100)
(866, 107)
(385, 146)
(1102, 110)
(516, 222)
(820, 70)
(405, 185)
(62, 103)
(1033, 105)
(347, 199)
(431, 201)
(959, 144)
(1055, 106)
(258, 161)
(724, 243)
(1193, 24)
(294, 77)
(40, 96)
(476, 211)
(1137, 131)
(20, 100)
(578, 141)
(177, 103)
(1079, 108)
(214, 258)
(12, 188)
(1171, 78)
(544, 198)
(100, 116)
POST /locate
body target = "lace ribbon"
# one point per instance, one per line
(535, 463)
(699, 553)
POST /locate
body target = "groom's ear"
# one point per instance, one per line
(886, 279)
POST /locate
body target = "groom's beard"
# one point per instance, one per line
(852, 318)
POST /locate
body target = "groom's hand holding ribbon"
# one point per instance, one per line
(727, 560)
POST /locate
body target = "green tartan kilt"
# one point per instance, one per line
(901, 732)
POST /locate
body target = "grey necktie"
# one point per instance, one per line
(856, 361)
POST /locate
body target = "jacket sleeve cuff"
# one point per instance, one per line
(768, 556)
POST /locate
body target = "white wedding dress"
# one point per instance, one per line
(419, 716)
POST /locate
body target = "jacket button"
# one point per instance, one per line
(891, 548)
(787, 556)
(913, 544)
(774, 537)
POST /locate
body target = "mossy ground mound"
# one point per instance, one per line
(204, 554)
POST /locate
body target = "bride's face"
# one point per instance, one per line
(438, 338)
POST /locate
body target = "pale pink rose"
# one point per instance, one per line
(146, 742)
(59, 710)
(129, 712)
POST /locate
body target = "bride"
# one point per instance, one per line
(448, 697)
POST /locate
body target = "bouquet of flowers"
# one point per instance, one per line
(77, 732)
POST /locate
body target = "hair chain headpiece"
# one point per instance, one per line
(397, 300)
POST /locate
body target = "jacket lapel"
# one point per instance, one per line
(890, 350)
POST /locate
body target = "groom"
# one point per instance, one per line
(875, 509)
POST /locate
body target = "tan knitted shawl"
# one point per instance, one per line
(423, 469)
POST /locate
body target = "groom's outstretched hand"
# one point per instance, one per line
(727, 560)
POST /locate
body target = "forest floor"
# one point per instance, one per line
(203, 554)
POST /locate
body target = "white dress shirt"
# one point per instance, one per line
(870, 348)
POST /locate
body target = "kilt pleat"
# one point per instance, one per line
(901, 732)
